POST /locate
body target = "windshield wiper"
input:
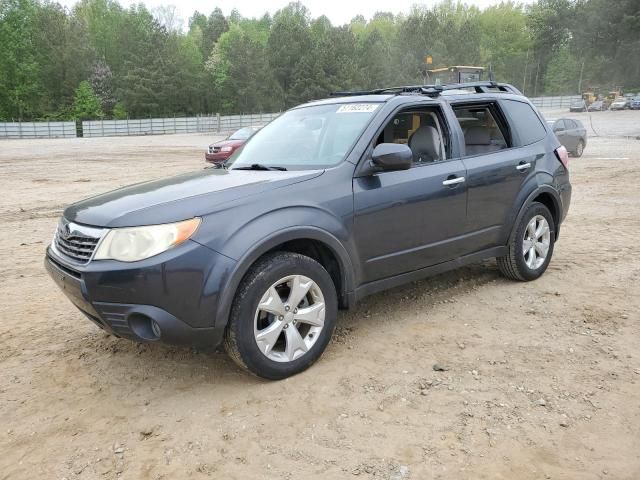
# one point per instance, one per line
(259, 166)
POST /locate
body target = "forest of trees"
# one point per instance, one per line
(101, 60)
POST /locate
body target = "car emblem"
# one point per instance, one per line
(65, 231)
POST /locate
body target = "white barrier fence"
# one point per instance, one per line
(38, 130)
(145, 126)
(555, 102)
(163, 126)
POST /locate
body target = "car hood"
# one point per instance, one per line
(228, 143)
(179, 198)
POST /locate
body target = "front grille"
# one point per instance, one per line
(76, 242)
(215, 149)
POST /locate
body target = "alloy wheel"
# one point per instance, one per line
(289, 318)
(536, 241)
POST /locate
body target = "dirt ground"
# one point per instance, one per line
(542, 379)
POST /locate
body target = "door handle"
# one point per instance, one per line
(453, 181)
(523, 166)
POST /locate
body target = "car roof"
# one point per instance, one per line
(457, 95)
(348, 99)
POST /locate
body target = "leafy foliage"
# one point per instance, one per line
(139, 63)
(86, 104)
(120, 112)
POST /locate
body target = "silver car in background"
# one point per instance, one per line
(571, 133)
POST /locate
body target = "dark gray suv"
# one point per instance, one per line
(334, 200)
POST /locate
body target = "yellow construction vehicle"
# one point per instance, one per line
(613, 95)
(454, 74)
(589, 97)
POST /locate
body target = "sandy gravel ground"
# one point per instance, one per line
(542, 379)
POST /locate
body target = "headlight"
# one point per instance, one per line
(137, 243)
(226, 149)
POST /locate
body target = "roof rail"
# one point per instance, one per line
(483, 87)
(433, 90)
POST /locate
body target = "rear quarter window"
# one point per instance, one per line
(524, 122)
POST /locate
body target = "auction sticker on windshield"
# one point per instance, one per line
(357, 108)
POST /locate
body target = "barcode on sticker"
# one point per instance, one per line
(357, 108)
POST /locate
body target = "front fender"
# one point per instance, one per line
(249, 243)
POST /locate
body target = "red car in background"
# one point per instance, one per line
(219, 152)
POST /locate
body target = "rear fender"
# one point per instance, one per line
(520, 208)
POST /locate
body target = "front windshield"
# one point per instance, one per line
(307, 138)
(242, 134)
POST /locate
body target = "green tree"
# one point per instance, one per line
(120, 112)
(247, 85)
(562, 73)
(550, 23)
(234, 64)
(86, 104)
(504, 41)
(20, 81)
(289, 43)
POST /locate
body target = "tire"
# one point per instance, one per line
(258, 335)
(515, 264)
(579, 149)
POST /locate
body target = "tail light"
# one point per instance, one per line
(562, 155)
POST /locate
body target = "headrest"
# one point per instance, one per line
(425, 144)
(477, 136)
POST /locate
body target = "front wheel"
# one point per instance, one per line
(531, 248)
(282, 316)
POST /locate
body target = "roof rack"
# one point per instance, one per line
(434, 90)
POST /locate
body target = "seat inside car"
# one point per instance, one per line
(425, 143)
(478, 140)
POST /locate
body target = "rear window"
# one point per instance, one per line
(524, 122)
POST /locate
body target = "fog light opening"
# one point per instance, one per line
(144, 327)
(155, 328)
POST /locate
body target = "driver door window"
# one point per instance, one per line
(422, 130)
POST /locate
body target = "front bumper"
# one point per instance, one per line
(218, 157)
(171, 298)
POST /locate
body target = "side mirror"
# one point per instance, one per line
(392, 156)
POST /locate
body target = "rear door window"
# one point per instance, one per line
(483, 128)
(524, 121)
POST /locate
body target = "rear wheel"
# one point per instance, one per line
(579, 149)
(282, 317)
(531, 248)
